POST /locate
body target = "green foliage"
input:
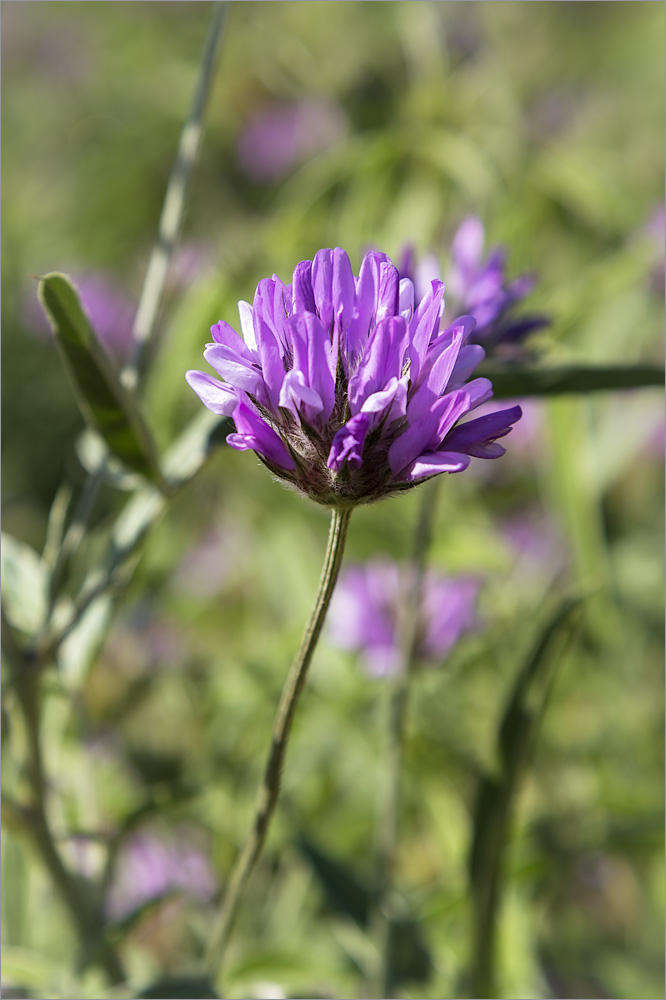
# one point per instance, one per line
(105, 403)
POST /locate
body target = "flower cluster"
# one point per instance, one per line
(364, 614)
(481, 288)
(346, 387)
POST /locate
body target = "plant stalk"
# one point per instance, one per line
(26, 677)
(389, 808)
(270, 786)
(174, 202)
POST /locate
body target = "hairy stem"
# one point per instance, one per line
(270, 786)
(389, 807)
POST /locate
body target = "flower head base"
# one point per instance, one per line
(345, 387)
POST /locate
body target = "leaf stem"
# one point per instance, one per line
(270, 786)
(389, 808)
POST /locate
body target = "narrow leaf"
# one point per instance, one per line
(510, 383)
(515, 741)
(105, 403)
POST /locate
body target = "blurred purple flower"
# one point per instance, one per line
(345, 387)
(150, 866)
(110, 312)
(480, 287)
(365, 610)
(536, 543)
(283, 135)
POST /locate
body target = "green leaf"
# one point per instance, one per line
(96, 459)
(511, 382)
(80, 649)
(25, 586)
(105, 403)
(186, 987)
(349, 896)
(524, 710)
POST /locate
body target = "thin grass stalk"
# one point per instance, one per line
(174, 202)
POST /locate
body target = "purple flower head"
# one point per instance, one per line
(150, 866)
(283, 135)
(346, 387)
(110, 312)
(365, 611)
(480, 288)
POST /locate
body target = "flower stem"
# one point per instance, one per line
(389, 808)
(270, 785)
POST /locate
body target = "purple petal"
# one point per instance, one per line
(252, 432)
(366, 299)
(315, 356)
(469, 358)
(322, 286)
(226, 336)
(480, 390)
(348, 443)
(270, 355)
(477, 437)
(217, 396)
(333, 287)
(233, 368)
(382, 360)
(247, 324)
(302, 294)
(423, 325)
(406, 299)
(426, 431)
(269, 310)
(298, 397)
(431, 464)
(377, 402)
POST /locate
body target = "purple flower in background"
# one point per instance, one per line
(150, 866)
(283, 135)
(480, 287)
(365, 610)
(346, 387)
(536, 543)
(110, 312)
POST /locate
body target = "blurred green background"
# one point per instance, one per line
(546, 120)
